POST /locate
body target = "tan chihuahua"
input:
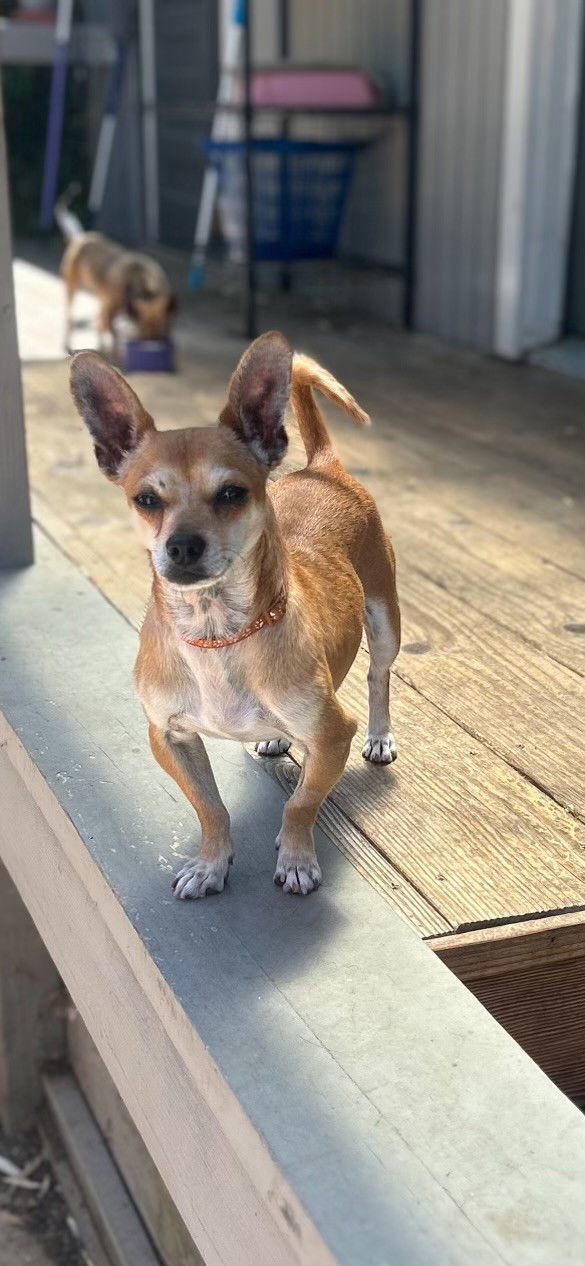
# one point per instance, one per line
(124, 281)
(260, 590)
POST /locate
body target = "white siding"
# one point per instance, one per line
(499, 87)
(462, 64)
(553, 102)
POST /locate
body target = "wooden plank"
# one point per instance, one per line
(531, 977)
(495, 950)
(539, 514)
(15, 520)
(114, 1215)
(490, 951)
(499, 444)
(475, 839)
(466, 408)
(530, 421)
(527, 708)
(70, 1190)
(540, 729)
(535, 503)
(167, 1230)
(197, 999)
(474, 579)
(529, 595)
(181, 1130)
(29, 1034)
(538, 509)
(369, 858)
(481, 842)
(555, 597)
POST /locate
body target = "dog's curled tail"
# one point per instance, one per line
(71, 227)
(306, 374)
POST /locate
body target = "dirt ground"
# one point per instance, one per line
(35, 1226)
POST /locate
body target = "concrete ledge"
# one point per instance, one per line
(312, 1083)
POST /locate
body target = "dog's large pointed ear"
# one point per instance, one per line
(110, 409)
(258, 396)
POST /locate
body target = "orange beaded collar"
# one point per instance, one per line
(273, 616)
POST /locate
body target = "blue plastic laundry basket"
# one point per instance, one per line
(300, 189)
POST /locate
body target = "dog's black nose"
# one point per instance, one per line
(184, 549)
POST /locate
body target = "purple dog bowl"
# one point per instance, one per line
(148, 356)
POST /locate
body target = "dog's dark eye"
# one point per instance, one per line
(147, 501)
(230, 495)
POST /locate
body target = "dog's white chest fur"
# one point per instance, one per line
(208, 701)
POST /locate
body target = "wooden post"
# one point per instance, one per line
(16, 547)
(31, 1010)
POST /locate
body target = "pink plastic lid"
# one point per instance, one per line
(331, 88)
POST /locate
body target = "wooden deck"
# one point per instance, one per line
(477, 835)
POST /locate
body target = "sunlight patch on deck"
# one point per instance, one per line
(38, 293)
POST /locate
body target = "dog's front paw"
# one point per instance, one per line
(201, 876)
(297, 872)
(380, 749)
(272, 747)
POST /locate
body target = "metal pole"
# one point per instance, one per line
(149, 121)
(284, 29)
(63, 25)
(250, 286)
(412, 170)
(107, 133)
(222, 126)
(284, 51)
(123, 23)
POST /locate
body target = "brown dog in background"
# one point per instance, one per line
(124, 281)
(260, 590)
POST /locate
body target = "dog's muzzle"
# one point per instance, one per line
(184, 552)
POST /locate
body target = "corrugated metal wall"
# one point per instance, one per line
(462, 67)
(368, 33)
(555, 66)
(371, 34)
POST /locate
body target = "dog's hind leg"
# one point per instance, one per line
(379, 747)
(382, 621)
